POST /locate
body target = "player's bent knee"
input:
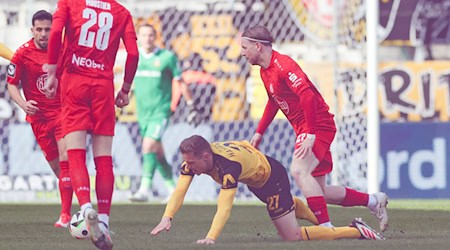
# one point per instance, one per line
(291, 236)
(287, 227)
(150, 145)
(299, 172)
(303, 167)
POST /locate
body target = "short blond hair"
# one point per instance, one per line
(196, 145)
(258, 33)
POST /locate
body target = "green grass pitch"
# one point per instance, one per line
(414, 224)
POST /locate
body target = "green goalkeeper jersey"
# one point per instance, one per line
(153, 83)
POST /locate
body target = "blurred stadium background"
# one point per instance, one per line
(329, 40)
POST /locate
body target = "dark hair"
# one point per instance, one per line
(196, 145)
(41, 15)
(148, 26)
(258, 32)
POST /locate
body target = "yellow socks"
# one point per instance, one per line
(302, 212)
(329, 233)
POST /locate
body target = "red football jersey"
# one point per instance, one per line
(93, 30)
(287, 85)
(29, 68)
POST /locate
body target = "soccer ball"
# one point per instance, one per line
(77, 226)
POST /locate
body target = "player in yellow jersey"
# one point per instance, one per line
(237, 161)
(5, 52)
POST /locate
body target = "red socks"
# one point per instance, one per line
(65, 188)
(79, 175)
(354, 198)
(104, 183)
(318, 205)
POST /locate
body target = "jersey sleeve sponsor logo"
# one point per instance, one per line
(228, 181)
(12, 70)
(295, 80)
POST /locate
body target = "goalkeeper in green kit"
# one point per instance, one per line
(156, 70)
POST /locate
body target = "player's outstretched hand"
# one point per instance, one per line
(122, 99)
(256, 140)
(165, 224)
(206, 241)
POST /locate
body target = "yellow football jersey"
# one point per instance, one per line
(236, 161)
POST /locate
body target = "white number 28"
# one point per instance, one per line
(104, 20)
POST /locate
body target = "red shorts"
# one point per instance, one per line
(47, 135)
(87, 104)
(321, 150)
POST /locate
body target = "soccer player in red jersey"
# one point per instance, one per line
(290, 90)
(29, 68)
(93, 30)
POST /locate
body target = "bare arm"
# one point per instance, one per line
(270, 111)
(29, 107)
(185, 91)
(224, 204)
(174, 204)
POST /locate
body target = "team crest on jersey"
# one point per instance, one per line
(157, 63)
(40, 82)
(12, 70)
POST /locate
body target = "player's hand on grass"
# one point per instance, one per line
(256, 140)
(30, 107)
(165, 224)
(305, 148)
(206, 241)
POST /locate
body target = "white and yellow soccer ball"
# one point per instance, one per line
(78, 227)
